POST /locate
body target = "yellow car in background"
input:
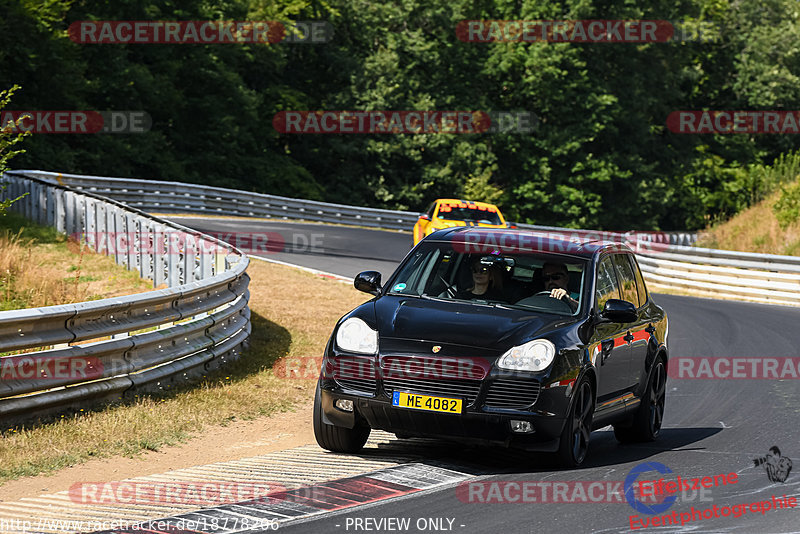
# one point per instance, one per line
(450, 212)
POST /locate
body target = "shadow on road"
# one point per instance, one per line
(604, 451)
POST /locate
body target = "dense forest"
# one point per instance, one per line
(601, 155)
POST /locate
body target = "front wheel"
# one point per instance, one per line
(650, 414)
(575, 437)
(336, 438)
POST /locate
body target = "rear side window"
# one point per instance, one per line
(607, 286)
(639, 281)
(627, 279)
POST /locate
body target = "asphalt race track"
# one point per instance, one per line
(341, 250)
(711, 426)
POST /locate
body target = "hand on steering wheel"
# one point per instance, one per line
(556, 293)
(559, 293)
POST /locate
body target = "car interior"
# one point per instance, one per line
(520, 275)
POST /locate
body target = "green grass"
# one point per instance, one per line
(28, 231)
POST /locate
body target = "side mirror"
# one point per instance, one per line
(510, 224)
(619, 311)
(368, 282)
(424, 217)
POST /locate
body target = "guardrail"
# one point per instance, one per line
(173, 197)
(766, 278)
(66, 355)
(665, 257)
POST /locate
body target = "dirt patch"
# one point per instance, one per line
(239, 439)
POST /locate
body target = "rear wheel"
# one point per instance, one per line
(337, 438)
(650, 414)
(575, 437)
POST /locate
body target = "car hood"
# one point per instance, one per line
(466, 324)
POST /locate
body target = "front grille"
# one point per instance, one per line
(512, 393)
(358, 385)
(466, 389)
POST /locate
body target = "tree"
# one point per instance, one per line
(7, 140)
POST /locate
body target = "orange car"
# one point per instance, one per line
(449, 212)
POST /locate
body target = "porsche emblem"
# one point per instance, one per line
(436, 348)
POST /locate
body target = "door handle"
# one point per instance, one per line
(628, 337)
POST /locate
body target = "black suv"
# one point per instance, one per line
(564, 338)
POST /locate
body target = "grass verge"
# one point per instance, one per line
(755, 229)
(293, 313)
(40, 267)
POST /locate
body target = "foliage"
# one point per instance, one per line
(478, 188)
(787, 207)
(7, 140)
(601, 156)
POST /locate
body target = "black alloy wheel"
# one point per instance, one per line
(578, 426)
(647, 420)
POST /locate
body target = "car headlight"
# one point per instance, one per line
(534, 355)
(355, 336)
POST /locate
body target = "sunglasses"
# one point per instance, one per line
(555, 276)
(477, 270)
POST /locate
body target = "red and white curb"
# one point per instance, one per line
(300, 473)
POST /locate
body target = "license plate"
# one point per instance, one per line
(426, 402)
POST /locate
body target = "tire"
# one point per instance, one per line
(647, 420)
(337, 438)
(574, 443)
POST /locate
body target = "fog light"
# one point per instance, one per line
(521, 427)
(344, 405)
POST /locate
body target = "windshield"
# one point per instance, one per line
(466, 213)
(534, 281)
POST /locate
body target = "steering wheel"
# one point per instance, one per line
(547, 292)
(555, 303)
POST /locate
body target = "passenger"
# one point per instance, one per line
(556, 278)
(487, 283)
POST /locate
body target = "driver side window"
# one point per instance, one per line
(607, 286)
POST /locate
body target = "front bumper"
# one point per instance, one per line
(473, 425)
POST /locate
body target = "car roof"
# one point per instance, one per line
(461, 201)
(549, 242)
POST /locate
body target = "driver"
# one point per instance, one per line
(556, 278)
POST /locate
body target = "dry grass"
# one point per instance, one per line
(293, 314)
(38, 267)
(755, 230)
